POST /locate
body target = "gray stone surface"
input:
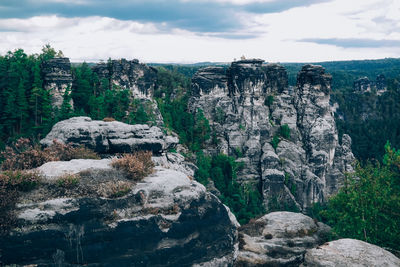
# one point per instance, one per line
(110, 137)
(305, 168)
(279, 239)
(349, 253)
(57, 79)
(167, 219)
(138, 78)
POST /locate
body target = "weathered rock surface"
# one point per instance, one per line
(110, 137)
(165, 220)
(364, 84)
(246, 106)
(279, 239)
(57, 79)
(351, 253)
(129, 74)
(138, 78)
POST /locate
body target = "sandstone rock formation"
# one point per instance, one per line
(165, 220)
(364, 84)
(139, 78)
(349, 253)
(57, 78)
(110, 137)
(248, 104)
(279, 239)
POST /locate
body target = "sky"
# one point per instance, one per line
(189, 31)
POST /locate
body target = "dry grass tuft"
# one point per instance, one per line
(136, 166)
(23, 154)
(11, 183)
(108, 119)
(114, 189)
(68, 180)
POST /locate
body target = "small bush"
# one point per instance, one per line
(275, 141)
(23, 154)
(115, 189)
(11, 183)
(108, 119)
(68, 180)
(136, 166)
(63, 152)
(285, 131)
(21, 180)
(269, 100)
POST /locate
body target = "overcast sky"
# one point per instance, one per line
(188, 31)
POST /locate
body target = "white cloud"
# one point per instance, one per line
(95, 38)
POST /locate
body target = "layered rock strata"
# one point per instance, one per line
(57, 79)
(110, 137)
(165, 220)
(138, 78)
(249, 104)
(279, 239)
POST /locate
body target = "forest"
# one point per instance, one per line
(367, 207)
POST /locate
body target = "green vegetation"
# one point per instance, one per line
(244, 202)
(269, 100)
(275, 141)
(26, 106)
(68, 181)
(11, 184)
(368, 206)
(285, 131)
(172, 96)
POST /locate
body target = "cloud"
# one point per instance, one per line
(353, 42)
(279, 6)
(196, 15)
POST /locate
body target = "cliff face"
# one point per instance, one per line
(250, 103)
(57, 78)
(137, 77)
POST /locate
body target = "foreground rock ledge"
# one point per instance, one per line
(349, 253)
(167, 219)
(279, 239)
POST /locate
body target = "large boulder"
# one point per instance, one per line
(279, 239)
(110, 137)
(165, 220)
(351, 253)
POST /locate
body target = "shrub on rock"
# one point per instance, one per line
(23, 154)
(136, 166)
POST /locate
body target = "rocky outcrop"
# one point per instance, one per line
(248, 104)
(364, 84)
(349, 252)
(57, 79)
(165, 220)
(279, 239)
(110, 137)
(138, 78)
